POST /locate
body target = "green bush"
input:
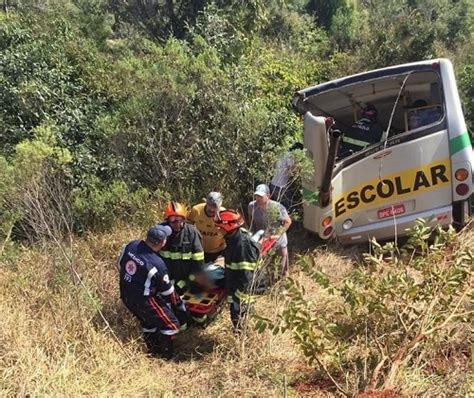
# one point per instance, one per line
(384, 314)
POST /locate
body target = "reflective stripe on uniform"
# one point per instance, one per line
(168, 292)
(353, 141)
(151, 273)
(162, 315)
(198, 256)
(201, 319)
(169, 332)
(181, 284)
(243, 265)
(245, 297)
(148, 330)
(182, 256)
(230, 299)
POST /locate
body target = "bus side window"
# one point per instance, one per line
(421, 114)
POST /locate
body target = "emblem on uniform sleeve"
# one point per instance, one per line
(130, 267)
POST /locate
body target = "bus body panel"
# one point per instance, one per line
(459, 142)
(411, 178)
(391, 228)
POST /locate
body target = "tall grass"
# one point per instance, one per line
(53, 341)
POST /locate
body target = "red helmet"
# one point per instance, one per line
(370, 112)
(175, 209)
(228, 220)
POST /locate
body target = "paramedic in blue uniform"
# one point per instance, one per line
(366, 131)
(146, 291)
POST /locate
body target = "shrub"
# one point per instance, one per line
(383, 315)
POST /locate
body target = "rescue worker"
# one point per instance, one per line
(146, 290)
(272, 217)
(202, 216)
(241, 259)
(366, 131)
(183, 253)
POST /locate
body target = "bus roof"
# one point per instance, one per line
(306, 93)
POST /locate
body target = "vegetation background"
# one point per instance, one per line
(108, 108)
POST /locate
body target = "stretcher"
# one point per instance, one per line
(204, 304)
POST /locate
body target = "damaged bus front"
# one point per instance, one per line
(416, 162)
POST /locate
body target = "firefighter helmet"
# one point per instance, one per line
(175, 209)
(370, 112)
(228, 220)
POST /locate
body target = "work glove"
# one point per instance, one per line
(183, 316)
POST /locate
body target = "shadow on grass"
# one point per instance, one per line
(192, 344)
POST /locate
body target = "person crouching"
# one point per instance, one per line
(146, 290)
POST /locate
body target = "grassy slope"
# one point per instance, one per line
(53, 342)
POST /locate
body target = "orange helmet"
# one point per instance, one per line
(175, 209)
(228, 220)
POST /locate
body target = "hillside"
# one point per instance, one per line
(109, 109)
(55, 341)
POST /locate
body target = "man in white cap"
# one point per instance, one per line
(202, 216)
(146, 290)
(272, 217)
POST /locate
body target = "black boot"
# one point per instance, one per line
(159, 345)
(166, 346)
(152, 341)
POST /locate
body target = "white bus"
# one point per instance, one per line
(419, 165)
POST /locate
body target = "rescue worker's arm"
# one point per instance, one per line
(254, 252)
(192, 216)
(166, 290)
(197, 252)
(285, 222)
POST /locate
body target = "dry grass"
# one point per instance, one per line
(54, 343)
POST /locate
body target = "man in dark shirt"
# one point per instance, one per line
(146, 290)
(366, 131)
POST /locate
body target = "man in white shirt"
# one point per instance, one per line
(272, 217)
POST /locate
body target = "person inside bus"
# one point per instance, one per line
(421, 114)
(366, 131)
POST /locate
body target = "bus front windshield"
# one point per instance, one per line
(368, 112)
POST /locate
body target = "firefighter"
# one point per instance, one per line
(202, 216)
(241, 259)
(183, 252)
(146, 290)
(366, 131)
